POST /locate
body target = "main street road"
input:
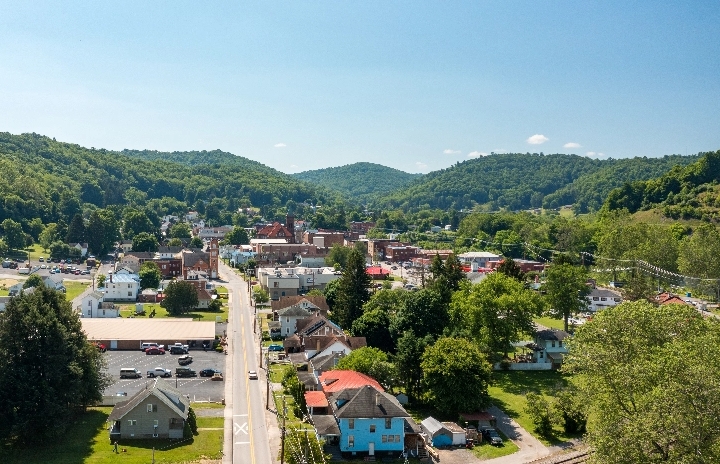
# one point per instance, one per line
(249, 435)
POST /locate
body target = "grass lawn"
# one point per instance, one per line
(487, 451)
(198, 314)
(87, 441)
(550, 322)
(198, 405)
(276, 372)
(211, 422)
(74, 289)
(508, 393)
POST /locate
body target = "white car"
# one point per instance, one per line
(159, 372)
(252, 375)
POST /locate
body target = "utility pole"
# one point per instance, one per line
(260, 338)
(267, 391)
(282, 435)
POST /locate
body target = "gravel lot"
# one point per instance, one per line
(199, 388)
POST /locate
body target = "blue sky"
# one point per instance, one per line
(413, 85)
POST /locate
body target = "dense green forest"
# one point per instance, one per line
(518, 181)
(361, 181)
(689, 192)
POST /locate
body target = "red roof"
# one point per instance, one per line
(377, 271)
(334, 381)
(316, 399)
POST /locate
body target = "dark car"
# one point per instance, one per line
(184, 372)
(185, 359)
(154, 350)
(209, 372)
(492, 437)
(275, 348)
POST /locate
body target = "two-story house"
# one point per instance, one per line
(552, 347)
(601, 298)
(122, 287)
(94, 305)
(371, 422)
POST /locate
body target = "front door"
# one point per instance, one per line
(371, 448)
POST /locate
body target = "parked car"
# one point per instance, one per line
(492, 436)
(217, 377)
(276, 348)
(252, 375)
(154, 350)
(185, 359)
(144, 346)
(121, 394)
(159, 372)
(184, 372)
(178, 348)
(209, 372)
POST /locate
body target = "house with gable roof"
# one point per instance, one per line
(94, 305)
(290, 309)
(157, 411)
(371, 422)
(82, 247)
(552, 347)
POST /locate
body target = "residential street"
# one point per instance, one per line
(246, 433)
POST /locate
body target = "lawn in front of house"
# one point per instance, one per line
(160, 312)
(487, 451)
(508, 391)
(87, 441)
(74, 289)
(551, 322)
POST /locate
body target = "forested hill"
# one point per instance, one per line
(359, 180)
(518, 181)
(685, 192)
(51, 180)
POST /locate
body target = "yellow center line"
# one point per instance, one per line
(247, 384)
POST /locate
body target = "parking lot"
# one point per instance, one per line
(198, 388)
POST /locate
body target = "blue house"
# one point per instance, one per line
(371, 422)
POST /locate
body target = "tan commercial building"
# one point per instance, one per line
(129, 333)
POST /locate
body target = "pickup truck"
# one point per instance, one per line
(159, 372)
(185, 372)
(178, 348)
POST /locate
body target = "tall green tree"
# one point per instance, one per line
(180, 230)
(96, 234)
(410, 349)
(374, 325)
(352, 290)
(339, 255)
(650, 384)
(566, 290)
(150, 275)
(196, 242)
(49, 235)
(76, 230)
(145, 242)
(48, 370)
(496, 312)
(424, 312)
(136, 222)
(180, 297)
(33, 281)
(370, 361)
(237, 236)
(14, 235)
(511, 269)
(456, 375)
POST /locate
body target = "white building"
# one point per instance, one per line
(479, 259)
(122, 287)
(281, 282)
(601, 298)
(93, 305)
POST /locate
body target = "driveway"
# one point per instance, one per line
(530, 447)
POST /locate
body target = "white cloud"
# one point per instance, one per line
(537, 139)
(421, 166)
(280, 145)
(294, 166)
(477, 154)
(451, 152)
(592, 154)
(572, 145)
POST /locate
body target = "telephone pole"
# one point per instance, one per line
(282, 436)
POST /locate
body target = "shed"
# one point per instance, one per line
(438, 434)
(458, 433)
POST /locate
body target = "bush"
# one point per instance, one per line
(192, 421)
(539, 410)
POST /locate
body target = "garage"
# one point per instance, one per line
(129, 333)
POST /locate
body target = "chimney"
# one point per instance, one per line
(318, 345)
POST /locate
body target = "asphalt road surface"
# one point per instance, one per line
(250, 442)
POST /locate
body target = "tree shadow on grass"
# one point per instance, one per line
(160, 444)
(74, 446)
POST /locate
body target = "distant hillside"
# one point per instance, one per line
(517, 181)
(51, 180)
(689, 192)
(360, 180)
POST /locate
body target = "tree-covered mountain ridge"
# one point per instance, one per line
(516, 181)
(47, 179)
(359, 180)
(684, 192)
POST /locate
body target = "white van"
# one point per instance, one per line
(130, 373)
(145, 346)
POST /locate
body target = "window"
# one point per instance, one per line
(156, 423)
(541, 354)
(152, 408)
(129, 293)
(603, 299)
(388, 422)
(351, 441)
(372, 428)
(617, 300)
(595, 298)
(287, 319)
(560, 343)
(397, 438)
(351, 423)
(553, 344)
(132, 422)
(89, 312)
(276, 284)
(384, 438)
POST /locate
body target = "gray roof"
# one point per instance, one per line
(603, 293)
(294, 310)
(552, 334)
(327, 362)
(325, 424)
(366, 402)
(163, 391)
(308, 379)
(411, 426)
(433, 426)
(191, 259)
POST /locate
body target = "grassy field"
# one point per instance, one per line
(488, 451)
(198, 314)
(87, 441)
(551, 322)
(74, 289)
(508, 393)
(210, 422)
